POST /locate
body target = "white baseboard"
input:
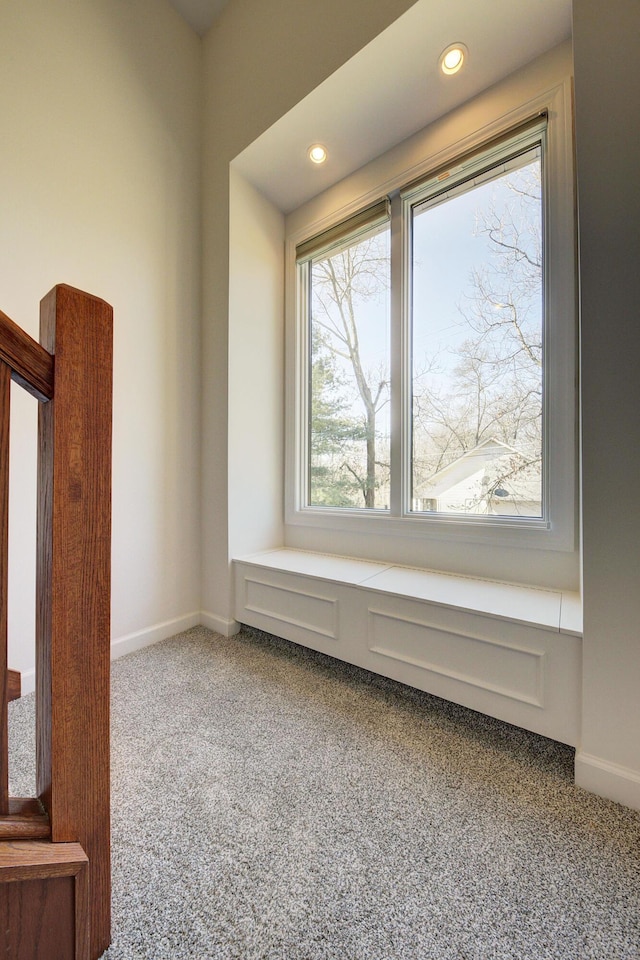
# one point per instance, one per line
(160, 631)
(609, 780)
(27, 682)
(150, 635)
(218, 624)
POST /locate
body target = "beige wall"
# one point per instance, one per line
(100, 186)
(260, 59)
(255, 397)
(607, 91)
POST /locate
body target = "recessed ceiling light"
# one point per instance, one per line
(452, 58)
(317, 153)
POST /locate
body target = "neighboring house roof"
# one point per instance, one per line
(492, 467)
(464, 467)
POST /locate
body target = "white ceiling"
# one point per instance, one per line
(199, 13)
(393, 87)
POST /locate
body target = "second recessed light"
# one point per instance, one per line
(452, 59)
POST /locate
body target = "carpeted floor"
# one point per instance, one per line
(272, 804)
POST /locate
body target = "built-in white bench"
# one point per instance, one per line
(510, 651)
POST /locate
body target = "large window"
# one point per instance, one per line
(431, 349)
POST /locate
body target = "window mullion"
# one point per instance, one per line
(406, 334)
(398, 362)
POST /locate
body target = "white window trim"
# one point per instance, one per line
(558, 532)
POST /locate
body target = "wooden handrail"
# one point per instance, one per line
(31, 365)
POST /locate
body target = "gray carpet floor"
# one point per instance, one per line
(272, 804)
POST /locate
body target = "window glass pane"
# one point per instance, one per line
(349, 375)
(477, 346)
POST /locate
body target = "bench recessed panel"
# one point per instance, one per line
(506, 669)
(297, 608)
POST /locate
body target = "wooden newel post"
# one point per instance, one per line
(73, 587)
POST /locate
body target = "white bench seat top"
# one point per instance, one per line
(554, 610)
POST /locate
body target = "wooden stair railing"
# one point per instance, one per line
(14, 685)
(55, 883)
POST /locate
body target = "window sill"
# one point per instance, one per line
(530, 534)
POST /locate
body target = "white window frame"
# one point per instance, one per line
(557, 530)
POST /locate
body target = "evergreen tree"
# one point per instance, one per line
(333, 432)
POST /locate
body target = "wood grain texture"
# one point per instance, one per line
(73, 587)
(29, 859)
(31, 365)
(14, 685)
(44, 901)
(26, 820)
(5, 400)
(37, 918)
